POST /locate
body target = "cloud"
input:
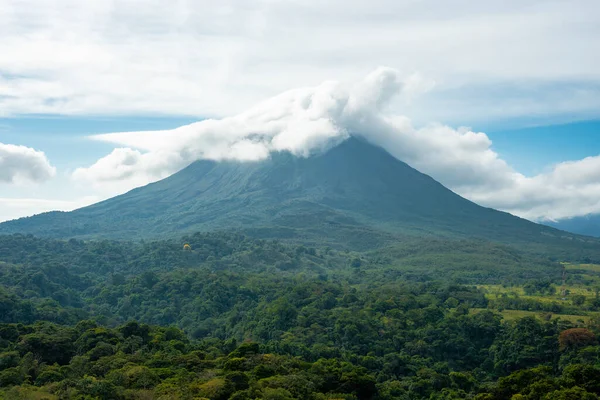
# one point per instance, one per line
(20, 163)
(13, 208)
(569, 189)
(306, 120)
(298, 121)
(200, 58)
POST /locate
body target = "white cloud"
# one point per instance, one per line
(210, 58)
(13, 208)
(569, 189)
(20, 163)
(298, 121)
(308, 119)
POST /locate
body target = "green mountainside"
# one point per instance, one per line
(355, 195)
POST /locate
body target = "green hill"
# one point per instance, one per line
(354, 195)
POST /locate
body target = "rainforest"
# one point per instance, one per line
(230, 316)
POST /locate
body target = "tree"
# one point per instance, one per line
(578, 300)
(576, 338)
(583, 375)
(11, 376)
(575, 393)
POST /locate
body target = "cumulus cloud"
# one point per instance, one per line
(202, 58)
(21, 163)
(569, 189)
(299, 121)
(303, 121)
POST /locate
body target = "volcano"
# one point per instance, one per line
(355, 192)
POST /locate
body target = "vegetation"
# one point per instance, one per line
(65, 281)
(229, 316)
(447, 356)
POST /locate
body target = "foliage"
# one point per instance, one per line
(242, 318)
(575, 338)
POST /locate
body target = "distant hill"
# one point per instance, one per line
(587, 225)
(355, 195)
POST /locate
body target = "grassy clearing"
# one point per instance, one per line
(495, 291)
(510, 315)
(585, 267)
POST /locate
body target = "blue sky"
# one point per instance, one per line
(54, 134)
(96, 97)
(529, 149)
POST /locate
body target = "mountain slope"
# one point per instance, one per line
(355, 192)
(586, 225)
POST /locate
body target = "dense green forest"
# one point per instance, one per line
(235, 317)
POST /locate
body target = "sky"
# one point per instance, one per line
(499, 101)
